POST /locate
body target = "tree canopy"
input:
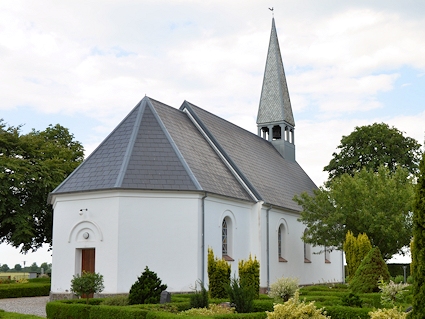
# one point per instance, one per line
(376, 203)
(371, 146)
(31, 166)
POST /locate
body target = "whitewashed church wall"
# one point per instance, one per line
(75, 215)
(293, 251)
(158, 230)
(240, 213)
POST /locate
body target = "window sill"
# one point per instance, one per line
(307, 261)
(282, 260)
(327, 261)
(227, 258)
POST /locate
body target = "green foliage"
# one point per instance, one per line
(352, 300)
(31, 166)
(241, 295)
(372, 146)
(355, 250)
(86, 284)
(60, 310)
(376, 203)
(393, 313)
(14, 315)
(283, 289)
(31, 289)
(418, 252)
(207, 311)
(370, 271)
(249, 274)
(399, 279)
(410, 280)
(115, 301)
(113, 312)
(391, 292)
(147, 288)
(200, 298)
(4, 268)
(218, 276)
(295, 309)
(341, 312)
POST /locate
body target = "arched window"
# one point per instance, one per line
(281, 243)
(226, 239)
(307, 251)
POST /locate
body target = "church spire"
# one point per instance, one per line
(275, 120)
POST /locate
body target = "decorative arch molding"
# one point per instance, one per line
(285, 224)
(228, 213)
(85, 226)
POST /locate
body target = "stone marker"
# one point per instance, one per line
(165, 297)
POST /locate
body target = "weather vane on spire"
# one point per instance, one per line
(272, 10)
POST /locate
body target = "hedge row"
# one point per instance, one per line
(24, 290)
(341, 312)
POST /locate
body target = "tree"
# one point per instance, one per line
(355, 250)
(87, 284)
(18, 267)
(4, 268)
(45, 267)
(34, 267)
(418, 252)
(147, 289)
(376, 203)
(31, 166)
(371, 146)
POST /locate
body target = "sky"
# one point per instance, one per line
(86, 64)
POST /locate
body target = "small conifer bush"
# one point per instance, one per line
(249, 274)
(218, 276)
(200, 298)
(147, 289)
(241, 295)
(367, 276)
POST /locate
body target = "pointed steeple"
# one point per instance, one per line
(275, 120)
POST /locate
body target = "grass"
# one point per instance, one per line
(13, 315)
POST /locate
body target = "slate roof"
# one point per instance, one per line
(275, 104)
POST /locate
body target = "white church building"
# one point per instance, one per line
(168, 183)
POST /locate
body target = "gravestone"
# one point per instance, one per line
(165, 297)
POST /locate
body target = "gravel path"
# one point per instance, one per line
(31, 305)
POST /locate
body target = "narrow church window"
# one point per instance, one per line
(307, 251)
(226, 239)
(327, 255)
(281, 243)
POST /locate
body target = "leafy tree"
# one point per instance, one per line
(31, 166)
(418, 252)
(4, 268)
(34, 267)
(87, 284)
(147, 289)
(376, 203)
(370, 147)
(18, 267)
(45, 266)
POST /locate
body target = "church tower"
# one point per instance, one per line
(275, 120)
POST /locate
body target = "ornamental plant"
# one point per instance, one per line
(295, 309)
(249, 274)
(242, 295)
(283, 289)
(87, 284)
(147, 289)
(200, 298)
(218, 276)
(391, 292)
(355, 250)
(213, 309)
(393, 313)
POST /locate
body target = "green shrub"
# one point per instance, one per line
(86, 284)
(24, 290)
(241, 295)
(218, 276)
(61, 310)
(410, 280)
(210, 311)
(398, 279)
(352, 300)
(372, 268)
(147, 289)
(393, 313)
(341, 312)
(249, 274)
(355, 250)
(116, 301)
(283, 289)
(200, 298)
(262, 305)
(295, 309)
(391, 292)
(114, 312)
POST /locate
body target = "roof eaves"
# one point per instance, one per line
(220, 151)
(175, 148)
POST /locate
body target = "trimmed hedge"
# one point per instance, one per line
(24, 290)
(341, 312)
(62, 310)
(114, 312)
(263, 305)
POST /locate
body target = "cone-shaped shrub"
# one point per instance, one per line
(218, 276)
(249, 274)
(372, 268)
(147, 289)
(418, 252)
